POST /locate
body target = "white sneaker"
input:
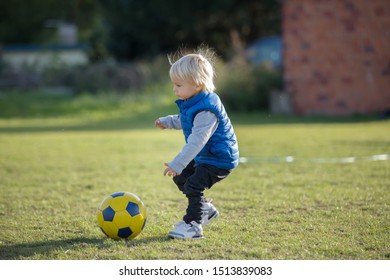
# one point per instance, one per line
(183, 230)
(209, 212)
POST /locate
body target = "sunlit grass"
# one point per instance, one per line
(55, 170)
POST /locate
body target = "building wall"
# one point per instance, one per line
(337, 56)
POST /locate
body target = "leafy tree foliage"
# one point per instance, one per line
(32, 21)
(143, 28)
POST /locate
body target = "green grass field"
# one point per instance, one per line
(55, 170)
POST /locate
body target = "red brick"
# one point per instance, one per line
(337, 56)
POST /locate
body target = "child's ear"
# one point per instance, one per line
(199, 87)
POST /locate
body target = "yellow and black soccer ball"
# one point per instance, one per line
(122, 215)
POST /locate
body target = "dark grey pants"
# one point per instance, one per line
(193, 180)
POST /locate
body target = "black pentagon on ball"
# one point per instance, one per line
(108, 214)
(132, 208)
(124, 232)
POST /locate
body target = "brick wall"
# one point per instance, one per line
(337, 56)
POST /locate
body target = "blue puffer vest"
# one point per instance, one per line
(222, 149)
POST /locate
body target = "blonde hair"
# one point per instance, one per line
(196, 67)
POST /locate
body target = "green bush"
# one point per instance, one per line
(96, 78)
(246, 87)
(242, 86)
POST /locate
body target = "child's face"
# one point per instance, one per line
(185, 89)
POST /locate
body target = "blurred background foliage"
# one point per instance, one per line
(128, 41)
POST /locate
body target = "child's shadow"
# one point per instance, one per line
(26, 250)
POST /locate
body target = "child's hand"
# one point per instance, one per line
(157, 123)
(169, 171)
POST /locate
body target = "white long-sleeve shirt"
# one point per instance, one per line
(205, 124)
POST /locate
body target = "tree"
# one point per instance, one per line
(24, 22)
(142, 28)
(146, 28)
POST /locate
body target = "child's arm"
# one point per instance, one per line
(205, 124)
(171, 121)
